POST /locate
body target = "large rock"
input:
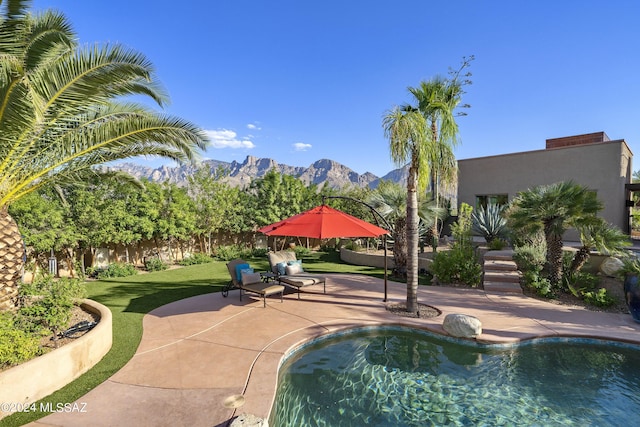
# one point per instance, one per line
(611, 266)
(462, 325)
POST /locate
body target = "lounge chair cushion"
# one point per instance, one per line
(250, 277)
(239, 269)
(281, 256)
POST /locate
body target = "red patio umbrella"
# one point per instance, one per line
(323, 222)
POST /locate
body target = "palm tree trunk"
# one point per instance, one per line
(412, 243)
(400, 247)
(11, 260)
(554, 258)
(580, 258)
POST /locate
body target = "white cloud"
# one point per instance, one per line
(225, 138)
(301, 146)
(253, 126)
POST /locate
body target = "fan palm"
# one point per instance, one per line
(604, 237)
(553, 208)
(390, 200)
(61, 113)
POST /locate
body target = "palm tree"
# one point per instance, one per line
(438, 100)
(596, 233)
(409, 141)
(553, 208)
(390, 200)
(61, 113)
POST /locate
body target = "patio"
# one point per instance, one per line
(198, 353)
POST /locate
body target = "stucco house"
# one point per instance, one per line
(592, 160)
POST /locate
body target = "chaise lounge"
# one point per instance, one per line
(288, 270)
(243, 278)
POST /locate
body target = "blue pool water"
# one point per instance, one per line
(401, 377)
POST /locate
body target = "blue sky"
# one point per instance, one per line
(298, 81)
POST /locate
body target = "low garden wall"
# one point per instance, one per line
(375, 259)
(31, 381)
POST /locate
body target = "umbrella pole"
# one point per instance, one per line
(385, 267)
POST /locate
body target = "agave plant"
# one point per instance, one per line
(489, 222)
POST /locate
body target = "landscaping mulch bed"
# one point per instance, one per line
(78, 315)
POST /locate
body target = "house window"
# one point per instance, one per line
(494, 199)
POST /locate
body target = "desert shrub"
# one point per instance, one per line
(301, 251)
(353, 246)
(459, 264)
(196, 258)
(456, 266)
(16, 345)
(497, 244)
(530, 257)
(118, 269)
(259, 252)
(534, 280)
(586, 286)
(155, 264)
(599, 298)
(48, 303)
(231, 252)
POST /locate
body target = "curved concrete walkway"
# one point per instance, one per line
(197, 353)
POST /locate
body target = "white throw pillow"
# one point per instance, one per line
(293, 269)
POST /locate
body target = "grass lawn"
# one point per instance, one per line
(130, 298)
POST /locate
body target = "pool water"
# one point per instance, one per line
(401, 377)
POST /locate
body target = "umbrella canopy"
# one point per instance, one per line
(323, 222)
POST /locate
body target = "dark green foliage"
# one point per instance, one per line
(456, 266)
(196, 258)
(497, 244)
(228, 253)
(47, 303)
(16, 345)
(459, 264)
(530, 259)
(118, 269)
(586, 286)
(301, 251)
(155, 264)
(260, 252)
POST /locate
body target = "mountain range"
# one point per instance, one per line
(322, 172)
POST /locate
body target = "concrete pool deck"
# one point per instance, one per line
(201, 356)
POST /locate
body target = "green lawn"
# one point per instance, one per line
(130, 298)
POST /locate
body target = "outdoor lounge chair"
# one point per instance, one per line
(289, 271)
(249, 282)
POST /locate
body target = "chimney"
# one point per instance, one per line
(568, 141)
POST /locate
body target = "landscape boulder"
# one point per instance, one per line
(611, 266)
(462, 325)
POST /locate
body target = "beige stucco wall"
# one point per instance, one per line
(603, 167)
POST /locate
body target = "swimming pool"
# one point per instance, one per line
(404, 377)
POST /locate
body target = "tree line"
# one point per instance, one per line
(75, 221)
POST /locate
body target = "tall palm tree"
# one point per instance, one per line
(437, 99)
(554, 209)
(61, 113)
(408, 141)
